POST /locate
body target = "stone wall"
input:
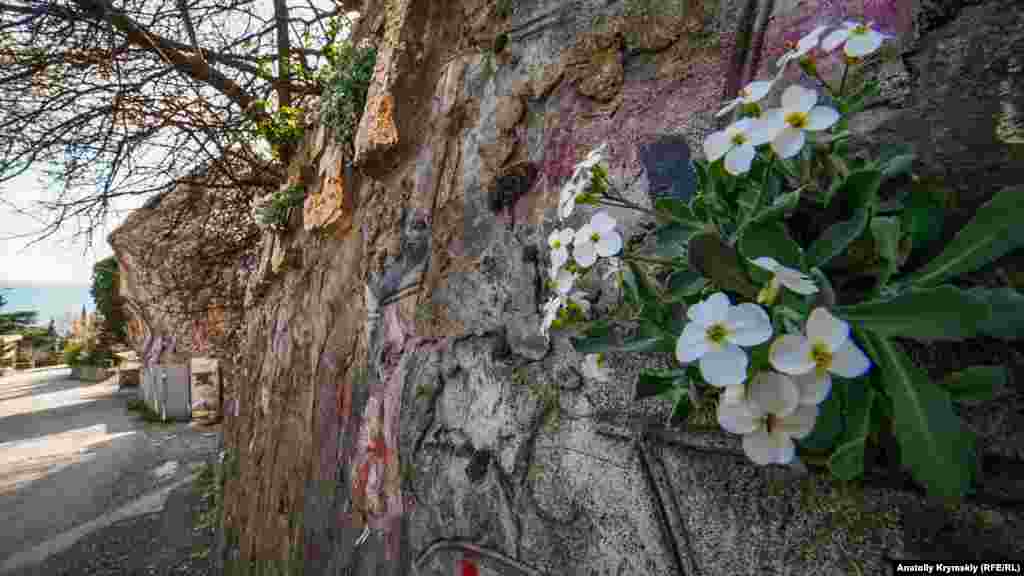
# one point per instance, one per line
(486, 443)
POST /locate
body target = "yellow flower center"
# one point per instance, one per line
(595, 237)
(796, 119)
(717, 334)
(860, 29)
(600, 360)
(556, 244)
(738, 138)
(822, 357)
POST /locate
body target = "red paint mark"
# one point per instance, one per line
(468, 568)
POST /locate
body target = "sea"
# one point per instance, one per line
(53, 301)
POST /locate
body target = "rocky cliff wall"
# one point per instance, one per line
(376, 437)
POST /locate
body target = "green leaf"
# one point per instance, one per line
(976, 384)
(1007, 319)
(675, 208)
(598, 338)
(922, 219)
(931, 439)
(629, 287)
(652, 307)
(671, 239)
(847, 463)
(780, 206)
(886, 231)
(943, 313)
(861, 188)
(773, 240)
(720, 263)
(829, 425)
(658, 382)
(680, 404)
(994, 231)
(836, 238)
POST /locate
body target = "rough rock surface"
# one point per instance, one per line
(506, 456)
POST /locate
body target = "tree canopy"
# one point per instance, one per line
(110, 98)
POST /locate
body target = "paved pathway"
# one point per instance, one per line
(73, 460)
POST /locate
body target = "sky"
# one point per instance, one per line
(58, 260)
(61, 259)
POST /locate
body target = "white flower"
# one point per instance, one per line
(749, 94)
(559, 241)
(598, 238)
(797, 115)
(593, 367)
(860, 40)
(715, 334)
(737, 143)
(578, 183)
(793, 279)
(805, 45)
(551, 308)
(826, 348)
(769, 419)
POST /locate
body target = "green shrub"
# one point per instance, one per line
(346, 86)
(73, 354)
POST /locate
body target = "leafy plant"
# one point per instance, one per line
(274, 212)
(796, 329)
(346, 86)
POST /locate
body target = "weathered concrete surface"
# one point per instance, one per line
(70, 453)
(504, 453)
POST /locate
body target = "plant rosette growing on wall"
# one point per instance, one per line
(801, 366)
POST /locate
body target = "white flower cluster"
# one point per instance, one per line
(769, 409)
(785, 128)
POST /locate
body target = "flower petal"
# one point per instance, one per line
(824, 327)
(757, 90)
(766, 263)
(835, 39)
(749, 323)
(814, 388)
(738, 417)
(738, 160)
(849, 361)
(774, 393)
(788, 142)
(566, 235)
(564, 281)
(762, 131)
(692, 343)
(585, 254)
(602, 223)
(559, 256)
(821, 118)
(791, 354)
(716, 145)
(811, 39)
(861, 45)
(724, 367)
(713, 309)
(799, 424)
(796, 98)
(583, 235)
(763, 448)
(610, 244)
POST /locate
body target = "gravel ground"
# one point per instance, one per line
(161, 544)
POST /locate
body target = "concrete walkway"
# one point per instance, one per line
(73, 460)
